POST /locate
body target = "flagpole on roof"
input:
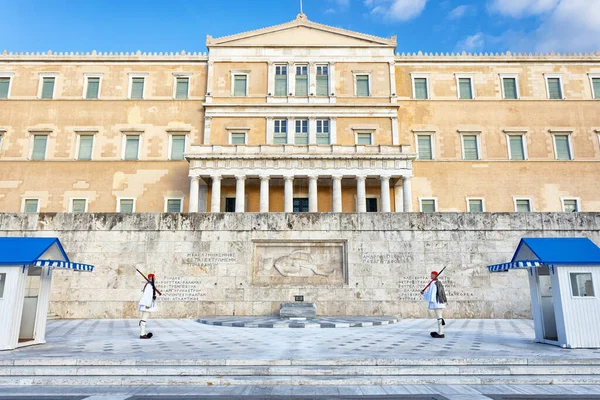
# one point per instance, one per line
(301, 7)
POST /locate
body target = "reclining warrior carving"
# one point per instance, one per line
(298, 263)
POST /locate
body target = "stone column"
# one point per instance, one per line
(202, 196)
(395, 134)
(407, 191)
(288, 203)
(215, 199)
(398, 197)
(337, 193)
(240, 193)
(313, 199)
(361, 194)
(264, 193)
(386, 206)
(194, 193)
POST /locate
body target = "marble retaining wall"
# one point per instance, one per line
(247, 264)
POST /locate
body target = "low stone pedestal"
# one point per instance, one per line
(297, 310)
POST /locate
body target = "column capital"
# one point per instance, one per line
(264, 177)
(407, 177)
(216, 177)
(288, 177)
(313, 177)
(194, 178)
(361, 177)
(385, 176)
(392, 63)
(240, 177)
(336, 177)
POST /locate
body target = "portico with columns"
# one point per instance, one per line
(363, 171)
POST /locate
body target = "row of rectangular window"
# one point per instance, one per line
(124, 205)
(509, 84)
(477, 205)
(517, 147)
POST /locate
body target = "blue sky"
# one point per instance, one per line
(174, 25)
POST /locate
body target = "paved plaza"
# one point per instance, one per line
(87, 346)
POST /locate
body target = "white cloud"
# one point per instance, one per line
(338, 6)
(397, 10)
(471, 43)
(458, 12)
(522, 8)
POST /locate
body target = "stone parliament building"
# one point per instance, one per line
(286, 120)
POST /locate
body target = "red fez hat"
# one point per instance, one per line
(435, 273)
(150, 276)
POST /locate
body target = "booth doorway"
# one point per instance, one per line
(30, 304)
(547, 303)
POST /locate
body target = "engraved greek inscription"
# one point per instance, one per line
(210, 259)
(181, 289)
(387, 258)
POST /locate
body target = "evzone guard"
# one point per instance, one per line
(435, 295)
(147, 303)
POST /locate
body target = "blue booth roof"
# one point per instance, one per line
(552, 251)
(28, 250)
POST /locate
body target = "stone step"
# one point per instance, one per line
(297, 380)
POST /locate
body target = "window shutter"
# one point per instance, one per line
(570, 205)
(131, 147)
(181, 91)
(238, 138)
(302, 85)
(421, 89)
(177, 147)
(424, 147)
(516, 148)
(476, 206)
(510, 88)
(239, 88)
(85, 147)
(322, 80)
(47, 88)
(323, 132)
(465, 88)
(562, 147)
(4, 83)
(137, 88)
(79, 205)
(93, 88)
(31, 205)
(281, 85)
(364, 139)
(280, 133)
(554, 90)
(126, 206)
(362, 85)
(174, 205)
(301, 132)
(39, 147)
(596, 84)
(523, 206)
(470, 146)
(428, 206)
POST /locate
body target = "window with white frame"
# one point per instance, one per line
(420, 86)
(240, 85)
(425, 147)
(516, 147)
(237, 138)
(362, 85)
(40, 144)
(301, 135)
(466, 90)
(582, 284)
(595, 82)
(562, 147)
(131, 148)
(177, 147)
(126, 205)
(182, 87)
(510, 87)
(322, 80)
(173, 205)
(31, 205)
(475, 205)
(364, 138)
(281, 80)
(280, 131)
(570, 205)
(86, 146)
(428, 205)
(137, 84)
(47, 86)
(470, 147)
(91, 88)
(5, 84)
(523, 205)
(301, 80)
(78, 205)
(554, 87)
(323, 134)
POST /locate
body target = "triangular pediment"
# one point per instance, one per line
(301, 33)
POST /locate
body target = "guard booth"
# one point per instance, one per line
(26, 266)
(564, 274)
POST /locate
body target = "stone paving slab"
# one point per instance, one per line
(320, 322)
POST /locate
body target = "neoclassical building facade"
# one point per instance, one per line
(299, 117)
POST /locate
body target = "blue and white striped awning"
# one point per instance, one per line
(64, 264)
(514, 265)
